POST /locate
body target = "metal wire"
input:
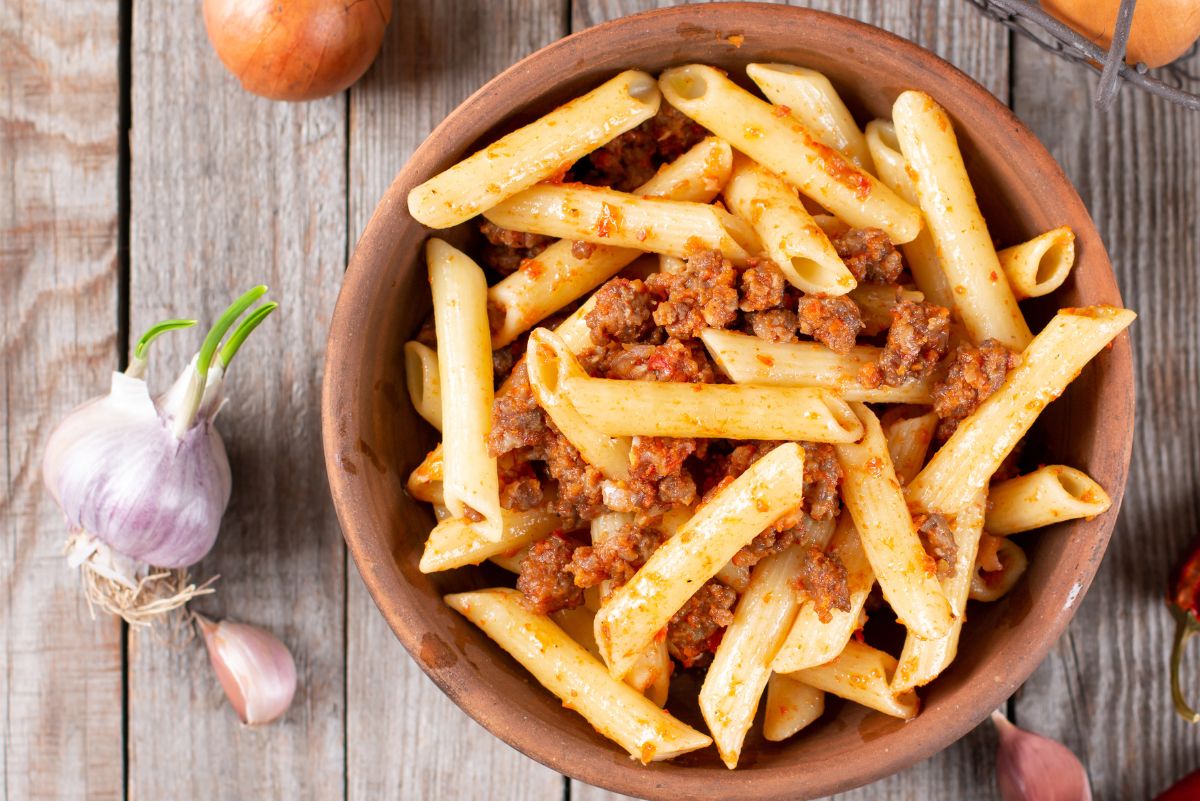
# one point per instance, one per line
(1030, 21)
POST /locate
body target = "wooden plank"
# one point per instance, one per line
(229, 190)
(1104, 690)
(404, 738)
(60, 670)
(957, 33)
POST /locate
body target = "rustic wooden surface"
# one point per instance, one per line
(219, 190)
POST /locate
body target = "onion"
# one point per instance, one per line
(296, 49)
(1162, 30)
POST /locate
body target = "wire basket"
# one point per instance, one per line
(1029, 20)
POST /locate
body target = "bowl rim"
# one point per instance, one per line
(369, 551)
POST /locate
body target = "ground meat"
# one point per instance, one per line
(768, 543)
(503, 360)
(694, 629)
(521, 494)
(615, 559)
(762, 286)
(834, 322)
(702, 296)
(776, 325)
(938, 540)
(579, 484)
(822, 477)
(517, 420)
(581, 250)
(652, 458)
(506, 249)
(632, 158)
(869, 255)
(543, 579)
(623, 312)
(672, 361)
(823, 580)
(975, 373)
(916, 342)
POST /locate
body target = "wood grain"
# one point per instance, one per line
(60, 670)
(956, 32)
(228, 191)
(1104, 690)
(404, 738)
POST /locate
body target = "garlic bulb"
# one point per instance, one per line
(255, 669)
(1030, 767)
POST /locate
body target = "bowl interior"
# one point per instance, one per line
(373, 438)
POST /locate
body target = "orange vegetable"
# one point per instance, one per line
(1162, 30)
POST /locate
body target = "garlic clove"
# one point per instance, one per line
(1030, 767)
(255, 669)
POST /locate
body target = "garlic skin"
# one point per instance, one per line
(121, 475)
(1030, 767)
(255, 669)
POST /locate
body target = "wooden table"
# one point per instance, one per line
(139, 182)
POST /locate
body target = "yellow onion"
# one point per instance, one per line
(298, 49)
(1162, 30)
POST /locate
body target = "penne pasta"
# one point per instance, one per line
(456, 542)
(550, 363)
(965, 463)
(633, 615)
(992, 585)
(747, 359)
(983, 298)
(1046, 496)
(876, 302)
(424, 385)
(425, 482)
(737, 411)
(511, 560)
(535, 152)
(557, 277)
(908, 442)
(608, 217)
(810, 97)
(861, 674)
(465, 374)
(787, 148)
(1041, 265)
(742, 664)
(577, 624)
(813, 641)
(791, 705)
(873, 497)
(793, 241)
(573, 331)
(922, 661)
(565, 668)
(921, 253)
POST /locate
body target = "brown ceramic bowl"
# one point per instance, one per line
(373, 438)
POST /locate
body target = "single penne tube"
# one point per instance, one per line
(565, 668)
(967, 461)
(908, 443)
(921, 253)
(557, 276)
(793, 241)
(876, 301)
(573, 331)
(456, 542)
(983, 298)
(861, 674)
(992, 585)
(537, 151)
(810, 97)
(922, 661)
(790, 706)
(747, 359)
(789, 149)
(459, 292)
(550, 363)
(812, 641)
(577, 623)
(608, 217)
(425, 482)
(733, 411)
(1046, 496)
(906, 574)
(424, 386)
(511, 560)
(742, 664)
(633, 615)
(1041, 265)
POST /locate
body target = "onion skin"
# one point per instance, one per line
(1162, 30)
(296, 49)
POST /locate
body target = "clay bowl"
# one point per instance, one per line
(373, 438)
